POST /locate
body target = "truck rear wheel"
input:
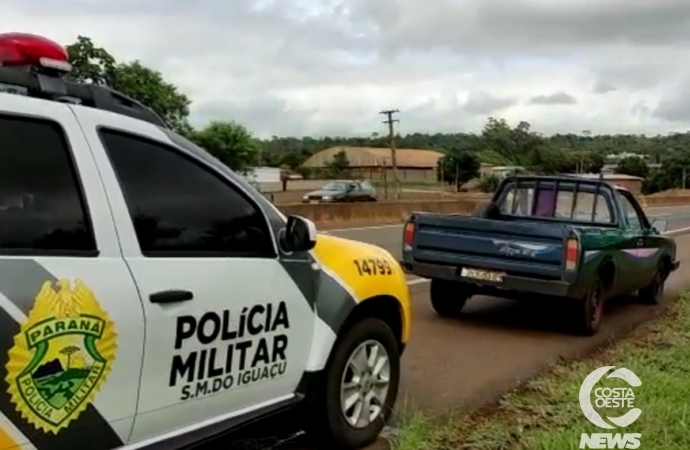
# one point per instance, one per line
(448, 297)
(590, 310)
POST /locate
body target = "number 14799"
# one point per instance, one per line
(373, 266)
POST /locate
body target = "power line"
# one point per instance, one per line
(391, 136)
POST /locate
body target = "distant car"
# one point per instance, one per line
(342, 191)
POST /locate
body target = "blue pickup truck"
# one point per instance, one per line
(578, 239)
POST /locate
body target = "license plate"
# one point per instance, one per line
(313, 202)
(484, 275)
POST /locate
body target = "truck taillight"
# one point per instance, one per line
(572, 254)
(408, 236)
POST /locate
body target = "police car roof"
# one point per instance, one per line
(33, 66)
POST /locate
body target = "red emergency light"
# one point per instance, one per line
(33, 52)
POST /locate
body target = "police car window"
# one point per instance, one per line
(179, 208)
(41, 203)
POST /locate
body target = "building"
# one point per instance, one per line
(629, 182)
(504, 171)
(485, 169)
(499, 171)
(375, 163)
(264, 174)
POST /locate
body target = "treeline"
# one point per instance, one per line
(498, 143)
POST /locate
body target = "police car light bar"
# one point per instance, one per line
(33, 52)
(35, 67)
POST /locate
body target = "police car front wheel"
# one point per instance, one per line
(361, 385)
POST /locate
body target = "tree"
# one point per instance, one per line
(589, 161)
(92, 64)
(551, 161)
(339, 164)
(633, 165)
(458, 167)
(69, 351)
(149, 87)
(489, 183)
(231, 143)
(671, 175)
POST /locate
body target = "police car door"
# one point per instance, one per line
(71, 322)
(227, 330)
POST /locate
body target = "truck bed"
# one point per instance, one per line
(509, 246)
(524, 252)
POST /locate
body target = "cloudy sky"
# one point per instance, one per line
(298, 67)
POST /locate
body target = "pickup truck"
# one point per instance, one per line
(579, 239)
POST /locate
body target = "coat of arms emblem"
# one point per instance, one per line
(61, 357)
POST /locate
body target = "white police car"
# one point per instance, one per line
(150, 299)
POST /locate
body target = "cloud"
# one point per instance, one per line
(675, 107)
(558, 98)
(602, 87)
(328, 66)
(482, 103)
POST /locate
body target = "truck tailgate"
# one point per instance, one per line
(515, 247)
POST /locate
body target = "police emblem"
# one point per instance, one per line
(61, 356)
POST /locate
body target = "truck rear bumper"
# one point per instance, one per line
(510, 283)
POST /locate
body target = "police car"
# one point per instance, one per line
(150, 298)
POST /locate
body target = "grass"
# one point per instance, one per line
(545, 413)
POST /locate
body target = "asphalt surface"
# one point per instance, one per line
(497, 344)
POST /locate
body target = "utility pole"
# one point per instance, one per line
(391, 135)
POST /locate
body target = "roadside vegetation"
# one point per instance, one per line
(545, 413)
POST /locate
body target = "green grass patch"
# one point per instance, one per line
(545, 414)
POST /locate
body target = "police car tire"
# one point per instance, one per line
(329, 427)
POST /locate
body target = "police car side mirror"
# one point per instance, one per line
(299, 235)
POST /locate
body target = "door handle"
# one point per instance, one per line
(171, 296)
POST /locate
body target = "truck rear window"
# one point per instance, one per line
(526, 202)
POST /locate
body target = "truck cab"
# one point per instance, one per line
(150, 298)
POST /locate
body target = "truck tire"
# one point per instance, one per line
(354, 375)
(654, 293)
(448, 297)
(590, 310)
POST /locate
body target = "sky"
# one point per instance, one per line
(327, 67)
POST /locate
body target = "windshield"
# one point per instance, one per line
(335, 186)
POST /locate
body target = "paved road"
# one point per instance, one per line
(455, 363)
